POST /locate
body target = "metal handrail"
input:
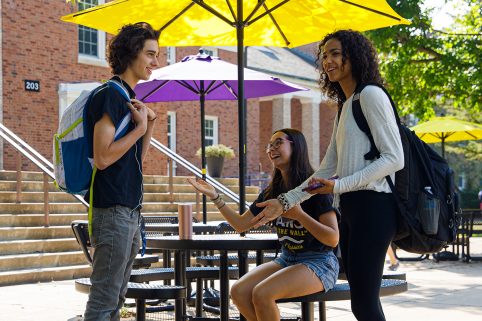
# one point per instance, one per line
(47, 167)
(194, 170)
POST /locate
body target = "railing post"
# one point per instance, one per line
(46, 200)
(171, 180)
(198, 206)
(19, 177)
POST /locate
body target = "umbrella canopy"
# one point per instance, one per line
(447, 129)
(202, 77)
(214, 22)
(220, 23)
(182, 82)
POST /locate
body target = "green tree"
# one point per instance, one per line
(425, 67)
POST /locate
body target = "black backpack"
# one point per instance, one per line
(424, 189)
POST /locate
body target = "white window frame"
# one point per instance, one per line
(100, 60)
(171, 136)
(171, 55)
(215, 136)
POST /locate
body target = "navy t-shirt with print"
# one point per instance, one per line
(292, 235)
(121, 182)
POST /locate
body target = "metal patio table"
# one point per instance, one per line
(220, 242)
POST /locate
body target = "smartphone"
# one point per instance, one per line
(312, 187)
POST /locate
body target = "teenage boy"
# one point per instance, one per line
(117, 191)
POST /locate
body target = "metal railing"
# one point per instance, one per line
(47, 168)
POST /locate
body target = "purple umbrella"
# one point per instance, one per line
(201, 77)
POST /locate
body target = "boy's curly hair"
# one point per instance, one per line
(363, 58)
(126, 45)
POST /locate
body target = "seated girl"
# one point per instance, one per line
(307, 233)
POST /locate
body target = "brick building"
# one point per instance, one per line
(46, 63)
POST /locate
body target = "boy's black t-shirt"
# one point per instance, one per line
(121, 182)
(292, 235)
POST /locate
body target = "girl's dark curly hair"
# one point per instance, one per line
(363, 58)
(300, 167)
(126, 45)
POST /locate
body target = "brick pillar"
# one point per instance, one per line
(281, 112)
(310, 123)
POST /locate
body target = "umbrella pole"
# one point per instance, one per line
(241, 107)
(443, 147)
(203, 146)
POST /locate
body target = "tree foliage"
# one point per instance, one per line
(427, 68)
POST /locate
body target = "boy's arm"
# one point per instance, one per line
(106, 150)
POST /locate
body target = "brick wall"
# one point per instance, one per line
(37, 45)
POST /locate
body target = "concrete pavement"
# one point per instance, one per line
(444, 291)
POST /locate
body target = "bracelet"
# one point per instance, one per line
(214, 199)
(284, 202)
(153, 119)
(220, 207)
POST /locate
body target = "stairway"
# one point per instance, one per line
(31, 252)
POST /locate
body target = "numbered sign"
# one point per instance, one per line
(32, 85)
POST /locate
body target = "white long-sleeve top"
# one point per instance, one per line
(345, 154)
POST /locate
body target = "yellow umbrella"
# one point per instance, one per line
(447, 129)
(286, 23)
(214, 22)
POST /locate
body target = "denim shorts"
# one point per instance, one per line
(323, 264)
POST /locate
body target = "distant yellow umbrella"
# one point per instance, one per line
(447, 129)
(284, 23)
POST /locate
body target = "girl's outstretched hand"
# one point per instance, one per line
(203, 187)
(272, 209)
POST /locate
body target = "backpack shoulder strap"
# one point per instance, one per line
(361, 120)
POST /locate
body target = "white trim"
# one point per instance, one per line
(171, 136)
(68, 92)
(215, 120)
(171, 55)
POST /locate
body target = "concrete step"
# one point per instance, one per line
(40, 260)
(45, 274)
(24, 220)
(37, 186)
(150, 179)
(34, 233)
(15, 247)
(70, 208)
(61, 197)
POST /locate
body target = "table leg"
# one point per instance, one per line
(180, 279)
(243, 269)
(224, 284)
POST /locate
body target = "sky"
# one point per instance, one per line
(443, 13)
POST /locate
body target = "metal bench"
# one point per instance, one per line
(141, 292)
(341, 291)
(471, 225)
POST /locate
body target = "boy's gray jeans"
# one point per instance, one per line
(116, 240)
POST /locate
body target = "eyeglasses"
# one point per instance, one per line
(276, 144)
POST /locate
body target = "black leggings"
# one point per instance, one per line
(368, 224)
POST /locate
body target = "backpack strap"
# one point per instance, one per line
(362, 123)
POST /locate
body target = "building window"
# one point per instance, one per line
(91, 41)
(211, 130)
(211, 51)
(171, 55)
